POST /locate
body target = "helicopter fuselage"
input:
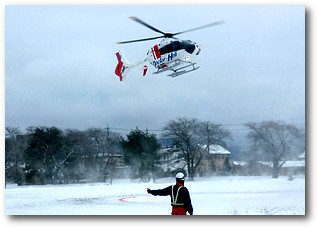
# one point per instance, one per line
(171, 51)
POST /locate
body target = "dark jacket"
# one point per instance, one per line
(179, 198)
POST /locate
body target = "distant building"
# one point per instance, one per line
(215, 161)
(294, 167)
(258, 168)
(171, 160)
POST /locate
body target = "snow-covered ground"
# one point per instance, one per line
(210, 196)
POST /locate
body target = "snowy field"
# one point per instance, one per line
(210, 196)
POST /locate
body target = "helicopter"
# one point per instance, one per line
(170, 54)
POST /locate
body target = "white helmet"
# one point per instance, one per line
(180, 176)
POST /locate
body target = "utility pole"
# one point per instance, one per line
(107, 136)
(208, 135)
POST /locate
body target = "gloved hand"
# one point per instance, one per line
(148, 190)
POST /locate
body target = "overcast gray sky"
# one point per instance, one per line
(60, 63)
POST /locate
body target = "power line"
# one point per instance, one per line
(161, 130)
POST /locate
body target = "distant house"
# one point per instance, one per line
(252, 168)
(171, 160)
(258, 168)
(294, 167)
(215, 161)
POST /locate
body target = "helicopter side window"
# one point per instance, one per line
(173, 46)
(176, 46)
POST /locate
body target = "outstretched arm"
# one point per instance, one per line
(160, 192)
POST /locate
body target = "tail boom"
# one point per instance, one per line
(123, 66)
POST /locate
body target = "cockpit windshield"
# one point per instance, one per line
(188, 46)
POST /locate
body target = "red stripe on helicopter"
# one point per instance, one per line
(153, 54)
(156, 49)
(163, 65)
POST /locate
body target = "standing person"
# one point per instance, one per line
(180, 196)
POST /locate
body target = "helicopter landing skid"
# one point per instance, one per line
(178, 71)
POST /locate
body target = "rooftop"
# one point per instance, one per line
(217, 149)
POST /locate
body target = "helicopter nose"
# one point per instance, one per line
(197, 49)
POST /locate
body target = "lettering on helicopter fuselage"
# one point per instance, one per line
(163, 59)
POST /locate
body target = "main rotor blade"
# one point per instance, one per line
(139, 40)
(145, 24)
(201, 27)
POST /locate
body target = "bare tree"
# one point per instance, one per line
(102, 145)
(213, 133)
(185, 132)
(192, 136)
(277, 140)
(113, 148)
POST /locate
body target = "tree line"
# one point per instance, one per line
(49, 155)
